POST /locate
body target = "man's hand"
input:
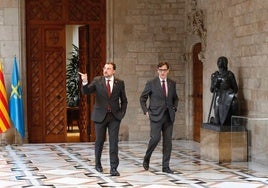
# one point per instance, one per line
(83, 77)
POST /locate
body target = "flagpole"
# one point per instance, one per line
(1, 135)
(16, 132)
(19, 137)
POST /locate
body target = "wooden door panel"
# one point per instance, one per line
(84, 121)
(92, 59)
(46, 73)
(46, 62)
(55, 99)
(34, 84)
(55, 84)
(197, 92)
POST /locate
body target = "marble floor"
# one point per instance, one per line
(72, 165)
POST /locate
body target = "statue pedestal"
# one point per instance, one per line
(223, 144)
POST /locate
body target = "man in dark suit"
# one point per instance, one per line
(109, 109)
(163, 102)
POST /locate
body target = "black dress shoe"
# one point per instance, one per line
(99, 168)
(114, 172)
(145, 165)
(167, 170)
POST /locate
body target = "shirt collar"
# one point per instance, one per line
(111, 79)
(162, 79)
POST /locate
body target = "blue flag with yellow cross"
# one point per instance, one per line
(15, 101)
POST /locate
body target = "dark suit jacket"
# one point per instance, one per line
(158, 103)
(117, 101)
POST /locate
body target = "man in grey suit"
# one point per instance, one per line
(109, 109)
(163, 102)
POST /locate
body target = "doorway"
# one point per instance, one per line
(72, 83)
(46, 22)
(197, 92)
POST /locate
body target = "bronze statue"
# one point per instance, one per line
(224, 89)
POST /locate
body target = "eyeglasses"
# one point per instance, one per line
(162, 70)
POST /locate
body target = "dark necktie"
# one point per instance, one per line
(164, 88)
(108, 88)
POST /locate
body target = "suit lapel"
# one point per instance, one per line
(170, 88)
(103, 83)
(115, 85)
(158, 85)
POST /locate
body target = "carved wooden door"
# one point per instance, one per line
(47, 75)
(46, 62)
(91, 61)
(84, 114)
(198, 92)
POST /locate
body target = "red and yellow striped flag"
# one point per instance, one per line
(4, 115)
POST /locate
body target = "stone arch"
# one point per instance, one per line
(192, 40)
(196, 33)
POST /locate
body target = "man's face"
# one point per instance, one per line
(108, 70)
(163, 71)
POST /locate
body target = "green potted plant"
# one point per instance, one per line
(72, 78)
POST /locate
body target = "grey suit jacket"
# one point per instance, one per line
(117, 100)
(158, 103)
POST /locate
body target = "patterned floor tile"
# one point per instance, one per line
(71, 165)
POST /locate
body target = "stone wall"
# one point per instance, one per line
(146, 32)
(11, 37)
(239, 30)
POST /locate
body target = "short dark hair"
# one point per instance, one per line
(112, 63)
(160, 64)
